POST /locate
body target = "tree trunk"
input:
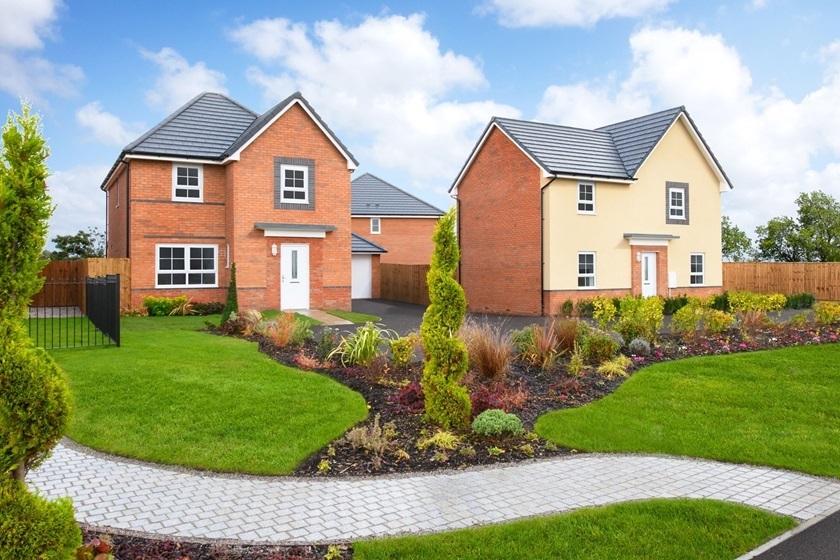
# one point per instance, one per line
(20, 472)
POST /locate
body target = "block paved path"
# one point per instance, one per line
(110, 492)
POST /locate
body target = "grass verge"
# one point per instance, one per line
(64, 332)
(176, 396)
(654, 529)
(354, 317)
(779, 408)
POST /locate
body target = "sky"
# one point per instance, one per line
(409, 87)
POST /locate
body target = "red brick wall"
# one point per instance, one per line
(117, 203)
(661, 269)
(553, 299)
(408, 240)
(499, 214)
(156, 218)
(293, 135)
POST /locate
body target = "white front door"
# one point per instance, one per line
(294, 276)
(648, 274)
(362, 283)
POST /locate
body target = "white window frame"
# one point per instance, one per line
(587, 275)
(186, 270)
(283, 189)
(702, 274)
(176, 186)
(582, 201)
(672, 207)
(376, 226)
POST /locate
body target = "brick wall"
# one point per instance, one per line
(408, 240)
(499, 214)
(661, 269)
(116, 228)
(552, 300)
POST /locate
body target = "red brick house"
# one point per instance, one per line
(549, 213)
(216, 183)
(394, 218)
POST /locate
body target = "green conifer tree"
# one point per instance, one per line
(232, 304)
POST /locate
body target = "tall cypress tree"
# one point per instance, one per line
(231, 304)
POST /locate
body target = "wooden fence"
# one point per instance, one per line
(820, 279)
(404, 282)
(62, 285)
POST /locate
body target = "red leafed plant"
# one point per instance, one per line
(95, 549)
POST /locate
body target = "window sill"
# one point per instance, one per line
(190, 200)
(294, 201)
(587, 288)
(185, 287)
(582, 213)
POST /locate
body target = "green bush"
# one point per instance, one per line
(689, 318)
(827, 313)
(717, 321)
(640, 317)
(402, 349)
(163, 306)
(639, 347)
(495, 423)
(721, 302)
(32, 527)
(34, 405)
(585, 307)
(362, 346)
(802, 300)
(447, 402)
(674, 304)
(599, 346)
(301, 333)
(523, 339)
(567, 308)
(207, 308)
(605, 311)
(232, 302)
(328, 341)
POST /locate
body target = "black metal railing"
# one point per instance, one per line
(74, 313)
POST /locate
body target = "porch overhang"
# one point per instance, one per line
(650, 239)
(318, 231)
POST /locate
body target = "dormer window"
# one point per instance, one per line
(188, 183)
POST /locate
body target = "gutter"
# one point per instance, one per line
(542, 245)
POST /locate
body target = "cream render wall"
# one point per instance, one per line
(639, 207)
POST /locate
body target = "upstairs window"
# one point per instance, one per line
(186, 266)
(188, 183)
(375, 225)
(586, 198)
(676, 203)
(586, 270)
(698, 269)
(294, 189)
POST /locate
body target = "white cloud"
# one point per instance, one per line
(22, 27)
(79, 202)
(106, 127)
(23, 23)
(768, 144)
(757, 4)
(385, 84)
(178, 81)
(569, 13)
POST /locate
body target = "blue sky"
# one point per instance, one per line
(409, 86)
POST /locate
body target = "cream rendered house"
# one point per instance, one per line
(549, 213)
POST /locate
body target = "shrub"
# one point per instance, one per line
(301, 332)
(522, 339)
(441, 440)
(231, 303)
(689, 318)
(721, 302)
(163, 306)
(640, 317)
(362, 346)
(639, 347)
(538, 346)
(615, 367)
(576, 365)
(252, 322)
(34, 527)
(827, 313)
(280, 331)
(183, 308)
(802, 300)
(567, 332)
(496, 424)
(208, 307)
(409, 399)
(327, 342)
(567, 308)
(674, 304)
(717, 321)
(799, 320)
(134, 312)
(402, 350)
(97, 549)
(604, 311)
(374, 439)
(488, 349)
(485, 398)
(585, 307)
(447, 403)
(744, 302)
(599, 347)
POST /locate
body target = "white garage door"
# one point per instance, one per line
(361, 281)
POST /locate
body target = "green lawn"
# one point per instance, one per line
(271, 314)
(354, 317)
(64, 332)
(779, 408)
(177, 396)
(655, 529)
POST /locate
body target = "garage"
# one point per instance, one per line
(365, 268)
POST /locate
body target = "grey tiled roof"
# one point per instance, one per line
(615, 151)
(371, 196)
(361, 245)
(204, 128)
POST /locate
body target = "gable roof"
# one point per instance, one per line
(359, 244)
(613, 152)
(214, 127)
(371, 196)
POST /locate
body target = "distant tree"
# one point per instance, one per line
(82, 245)
(735, 243)
(813, 237)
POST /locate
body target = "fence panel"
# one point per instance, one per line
(67, 280)
(404, 282)
(820, 279)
